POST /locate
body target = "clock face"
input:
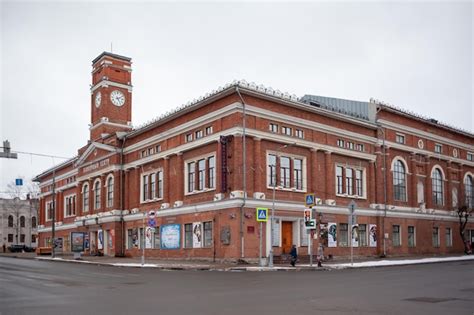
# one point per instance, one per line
(98, 98)
(117, 98)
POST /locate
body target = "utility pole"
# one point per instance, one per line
(7, 154)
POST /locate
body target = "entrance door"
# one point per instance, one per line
(287, 236)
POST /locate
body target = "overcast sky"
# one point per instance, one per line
(416, 55)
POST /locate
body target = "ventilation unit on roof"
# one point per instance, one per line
(314, 104)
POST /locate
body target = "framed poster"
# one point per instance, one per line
(100, 237)
(77, 243)
(149, 237)
(355, 235)
(170, 236)
(197, 235)
(372, 235)
(332, 234)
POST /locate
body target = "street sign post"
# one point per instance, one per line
(261, 216)
(352, 220)
(309, 222)
(309, 200)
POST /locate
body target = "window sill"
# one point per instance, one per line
(195, 192)
(150, 201)
(287, 189)
(351, 196)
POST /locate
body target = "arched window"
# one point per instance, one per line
(97, 195)
(437, 183)
(110, 191)
(10, 221)
(399, 181)
(85, 198)
(468, 184)
(33, 222)
(22, 221)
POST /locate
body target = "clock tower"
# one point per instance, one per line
(111, 95)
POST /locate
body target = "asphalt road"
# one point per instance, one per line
(40, 287)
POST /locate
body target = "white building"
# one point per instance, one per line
(18, 222)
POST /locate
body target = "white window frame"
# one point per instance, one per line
(299, 133)
(278, 170)
(360, 147)
(450, 239)
(66, 198)
(438, 146)
(350, 145)
(198, 134)
(188, 137)
(470, 156)
(158, 148)
(273, 127)
(100, 194)
(287, 131)
(195, 160)
(400, 136)
(86, 206)
(46, 214)
(147, 175)
(341, 143)
(399, 235)
(107, 201)
(209, 130)
(354, 169)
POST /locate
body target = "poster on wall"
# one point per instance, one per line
(170, 236)
(149, 237)
(276, 232)
(332, 234)
(77, 244)
(100, 237)
(110, 238)
(86, 241)
(304, 238)
(197, 235)
(372, 235)
(355, 235)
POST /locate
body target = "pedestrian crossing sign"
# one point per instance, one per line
(262, 214)
(309, 200)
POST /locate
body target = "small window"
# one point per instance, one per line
(150, 151)
(360, 147)
(299, 133)
(199, 134)
(340, 143)
(350, 145)
(10, 221)
(273, 127)
(411, 236)
(343, 235)
(286, 131)
(10, 238)
(158, 148)
(33, 222)
(400, 138)
(362, 235)
(33, 238)
(143, 153)
(435, 237)
(208, 130)
(207, 234)
(188, 235)
(438, 148)
(396, 235)
(189, 137)
(22, 238)
(470, 156)
(449, 237)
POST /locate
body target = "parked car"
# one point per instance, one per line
(20, 248)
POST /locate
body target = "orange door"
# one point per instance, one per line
(287, 236)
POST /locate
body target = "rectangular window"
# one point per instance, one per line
(10, 238)
(350, 145)
(153, 185)
(411, 236)
(470, 156)
(70, 206)
(22, 238)
(396, 235)
(362, 235)
(49, 210)
(285, 172)
(449, 237)
(435, 237)
(201, 174)
(159, 187)
(298, 173)
(339, 171)
(150, 151)
(207, 234)
(188, 235)
(158, 148)
(299, 133)
(189, 137)
(272, 170)
(145, 187)
(143, 153)
(273, 127)
(191, 176)
(211, 161)
(400, 138)
(286, 131)
(33, 238)
(343, 235)
(340, 143)
(208, 130)
(438, 148)
(349, 182)
(360, 147)
(359, 190)
(198, 134)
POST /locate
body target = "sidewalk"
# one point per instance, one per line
(218, 266)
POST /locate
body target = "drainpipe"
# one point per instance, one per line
(122, 247)
(244, 175)
(384, 161)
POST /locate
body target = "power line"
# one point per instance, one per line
(44, 155)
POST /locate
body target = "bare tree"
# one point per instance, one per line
(464, 212)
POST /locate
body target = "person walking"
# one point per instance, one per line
(294, 255)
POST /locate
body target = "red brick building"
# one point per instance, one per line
(192, 167)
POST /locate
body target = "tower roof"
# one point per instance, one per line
(106, 53)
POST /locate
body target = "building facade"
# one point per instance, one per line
(19, 222)
(204, 168)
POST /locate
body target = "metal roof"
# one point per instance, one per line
(353, 108)
(106, 53)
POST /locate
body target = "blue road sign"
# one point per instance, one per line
(18, 182)
(309, 199)
(262, 214)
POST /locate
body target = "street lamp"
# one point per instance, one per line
(272, 216)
